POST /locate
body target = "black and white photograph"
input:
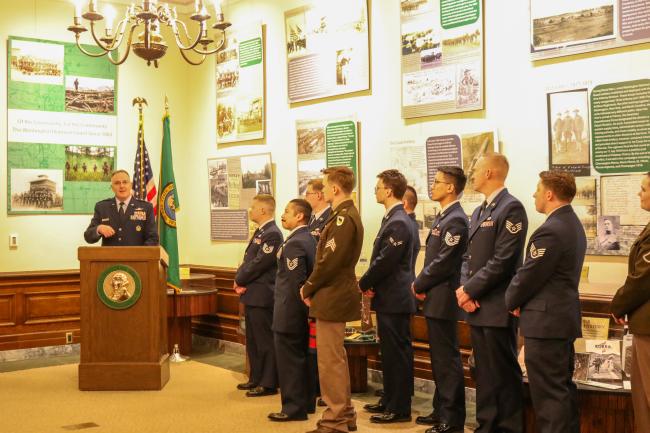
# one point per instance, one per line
(227, 77)
(36, 62)
(431, 57)
(254, 168)
(580, 366)
(218, 177)
(89, 163)
(469, 85)
(462, 41)
(307, 170)
(568, 128)
(413, 7)
(584, 204)
(418, 36)
(604, 367)
(608, 228)
(89, 95)
(36, 190)
(263, 187)
(311, 140)
(296, 29)
(229, 53)
(343, 59)
(429, 86)
(250, 113)
(557, 23)
(225, 118)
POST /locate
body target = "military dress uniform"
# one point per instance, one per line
(317, 224)
(335, 299)
(633, 299)
(290, 327)
(439, 279)
(415, 230)
(546, 290)
(389, 275)
(257, 274)
(497, 238)
(136, 227)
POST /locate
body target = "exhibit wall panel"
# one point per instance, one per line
(51, 241)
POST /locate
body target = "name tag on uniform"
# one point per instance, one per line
(105, 220)
(487, 224)
(257, 241)
(139, 215)
(435, 232)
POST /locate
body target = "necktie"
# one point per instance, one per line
(312, 219)
(122, 209)
(483, 206)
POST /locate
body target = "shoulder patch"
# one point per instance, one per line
(268, 249)
(514, 228)
(394, 242)
(340, 220)
(292, 264)
(331, 244)
(536, 253)
(452, 240)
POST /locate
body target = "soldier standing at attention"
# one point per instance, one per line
(255, 283)
(544, 294)
(387, 282)
(333, 295)
(290, 326)
(497, 237)
(436, 286)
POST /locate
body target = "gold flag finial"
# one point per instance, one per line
(139, 101)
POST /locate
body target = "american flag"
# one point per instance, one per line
(143, 184)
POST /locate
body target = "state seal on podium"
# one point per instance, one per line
(119, 287)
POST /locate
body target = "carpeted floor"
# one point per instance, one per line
(199, 398)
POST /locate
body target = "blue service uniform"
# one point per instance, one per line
(415, 233)
(257, 274)
(497, 237)
(390, 276)
(439, 279)
(317, 225)
(290, 326)
(136, 228)
(546, 290)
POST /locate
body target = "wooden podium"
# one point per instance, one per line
(123, 318)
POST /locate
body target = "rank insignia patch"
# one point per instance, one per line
(514, 228)
(452, 240)
(536, 252)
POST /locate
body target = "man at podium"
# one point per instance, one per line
(122, 220)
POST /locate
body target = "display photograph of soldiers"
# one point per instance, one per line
(225, 118)
(89, 163)
(36, 62)
(89, 95)
(311, 140)
(36, 190)
(568, 123)
(218, 176)
(608, 228)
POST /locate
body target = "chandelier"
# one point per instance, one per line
(149, 44)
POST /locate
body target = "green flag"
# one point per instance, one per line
(168, 205)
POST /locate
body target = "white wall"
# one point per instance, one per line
(515, 105)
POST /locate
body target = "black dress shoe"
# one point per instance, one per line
(441, 427)
(374, 408)
(260, 391)
(430, 419)
(282, 417)
(320, 402)
(389, 417)
(246, 386)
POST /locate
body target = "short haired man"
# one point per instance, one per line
(544, 294)
(333, 295)
(290, 327)
(497, 237)
(387, 282)
(320, 207)
(436, 286)
(255, 282)
(122, 220)
(410, 202)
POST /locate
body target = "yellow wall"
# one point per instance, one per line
(515, 105)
